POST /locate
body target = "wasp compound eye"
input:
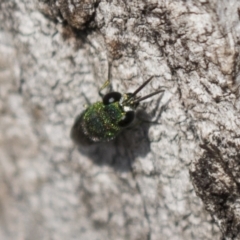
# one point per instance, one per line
(111, 97)
(128, 118)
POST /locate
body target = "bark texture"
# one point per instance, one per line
(154, 181)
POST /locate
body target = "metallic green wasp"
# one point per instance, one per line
(104, 120)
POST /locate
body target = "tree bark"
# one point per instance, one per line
(177, 177)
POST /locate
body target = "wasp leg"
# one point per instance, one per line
(87, 101)
(139, 121)
(105, 85)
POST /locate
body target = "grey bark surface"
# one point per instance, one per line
(177, 178)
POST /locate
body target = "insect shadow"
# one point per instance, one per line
(102, 131)
(121, 152)
(123, 148)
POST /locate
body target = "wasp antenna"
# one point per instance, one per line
(148, 96)
(141, 87)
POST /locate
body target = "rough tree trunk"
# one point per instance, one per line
(54, 56)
